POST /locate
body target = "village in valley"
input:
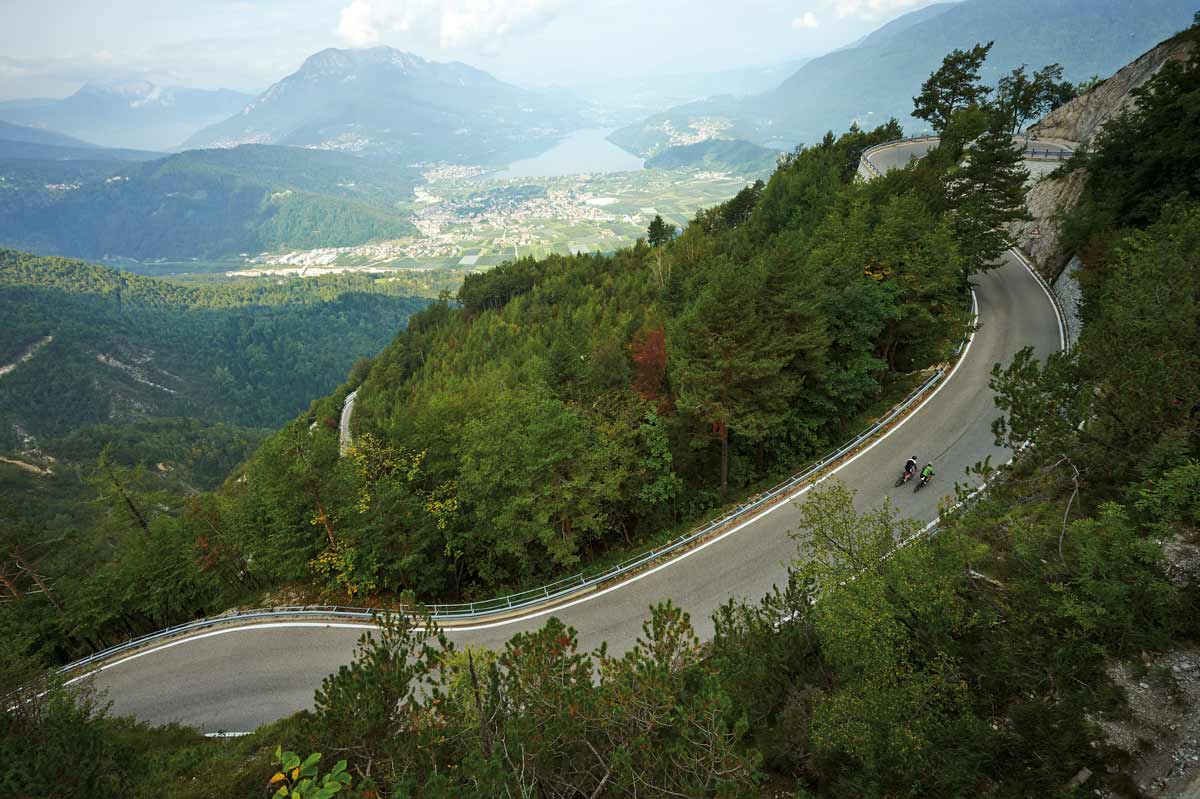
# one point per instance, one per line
(467, 218)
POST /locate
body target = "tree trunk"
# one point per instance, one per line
(37, 579)
(485, 729)
(724, 458)
(133, 510)
(7, 582)
(325, 521)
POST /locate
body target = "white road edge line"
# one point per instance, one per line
(1062, 325)
(596, 594)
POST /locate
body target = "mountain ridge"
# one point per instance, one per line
(874, 81)
(208, 203)
(130, 114)
(389, 102)
(35, 135)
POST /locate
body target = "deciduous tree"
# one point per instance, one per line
(953, 86)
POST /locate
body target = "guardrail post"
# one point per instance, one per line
(578, 580)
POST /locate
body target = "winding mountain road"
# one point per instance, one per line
(344, 422)
(237, 677)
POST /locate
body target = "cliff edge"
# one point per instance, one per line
(1077, 123)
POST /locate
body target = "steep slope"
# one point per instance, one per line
(877, 79)
(1081, 121)
(901, 25)
(383, 100)
(132, 114)
(203, 203)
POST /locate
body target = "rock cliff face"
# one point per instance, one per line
(1077, 123)
(1039, 237)
(1081, 119)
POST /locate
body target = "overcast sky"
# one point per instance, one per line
(48, 48)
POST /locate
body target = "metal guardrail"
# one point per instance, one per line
(1033, 154)
(557, 589)
(566, 586)
(865, 158)
(1061, 153)
(1059, 310)
(1048, 155)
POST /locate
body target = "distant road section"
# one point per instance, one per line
(898, 154)
(237, 677)
(344, 426)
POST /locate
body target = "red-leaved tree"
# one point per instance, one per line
(649, 352)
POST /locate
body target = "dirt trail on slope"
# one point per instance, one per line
(26, 354)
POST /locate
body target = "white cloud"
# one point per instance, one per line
(874, 9)
(806, 21)
(356, 25)
(448, 24)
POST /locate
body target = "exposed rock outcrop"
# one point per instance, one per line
(1078, 122)
(1039, 237)
(1081, 119)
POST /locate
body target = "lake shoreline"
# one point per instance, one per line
(583, 152)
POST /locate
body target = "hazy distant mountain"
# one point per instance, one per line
(901, 24)
(201, 203)
(22, 133)
(629, 99)
(27, 150)
(133, 114)
(18, 142)
(385, 101)
(877, 79)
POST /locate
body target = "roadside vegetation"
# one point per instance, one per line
(562, 409)
(970, 662)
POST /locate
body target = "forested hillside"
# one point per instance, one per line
(497, 444)
(111, 347)
(978, 660)
(740, 157)
(574, 405)
(200, 203)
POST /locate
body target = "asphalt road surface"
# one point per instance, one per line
(898, 155)
(239, 677)
(344, 422)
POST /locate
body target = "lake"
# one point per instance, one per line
(582, 151)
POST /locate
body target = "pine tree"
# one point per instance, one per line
(1022, 97)
(954, 86)
(728, 364)
(985, 194)
(659, 232)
